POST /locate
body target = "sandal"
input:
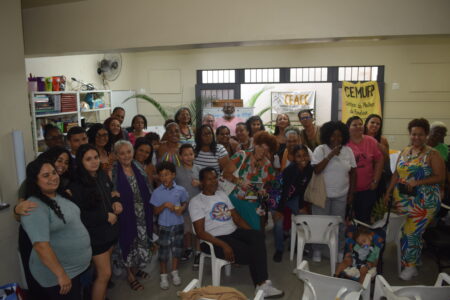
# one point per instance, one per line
(142, 274)
(136, 285)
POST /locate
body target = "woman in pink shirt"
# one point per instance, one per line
(369, 161)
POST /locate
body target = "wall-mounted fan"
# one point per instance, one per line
(109, 67)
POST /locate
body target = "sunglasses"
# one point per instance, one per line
(305, 118)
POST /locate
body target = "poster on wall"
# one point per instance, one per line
(360, 99)
(287, 102)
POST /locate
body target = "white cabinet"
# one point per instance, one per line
(65, 110)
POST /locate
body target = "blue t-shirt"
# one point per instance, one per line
(175, 195)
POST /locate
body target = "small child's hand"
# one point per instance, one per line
(195, 182)
(170, 206)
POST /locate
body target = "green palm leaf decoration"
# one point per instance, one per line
(254, 98)
(153, 102)
(264, 110)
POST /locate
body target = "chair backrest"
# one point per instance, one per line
(395, 225)
(425, 292)
(318, 286)
(317, 227)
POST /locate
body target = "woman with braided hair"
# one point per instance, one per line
(61, 245)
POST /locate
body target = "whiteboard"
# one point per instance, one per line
(117, 98)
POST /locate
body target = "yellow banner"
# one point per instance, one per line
(360, 99)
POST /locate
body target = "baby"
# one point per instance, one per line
(363, 259)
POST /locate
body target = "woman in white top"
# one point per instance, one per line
(338, 165)
(207, 152)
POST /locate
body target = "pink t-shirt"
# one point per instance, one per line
(366, 152)
(230, 124)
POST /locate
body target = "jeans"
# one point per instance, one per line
(333, 207)
(278, 233)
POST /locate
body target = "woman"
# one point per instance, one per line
(138, 123)
(223, 138)
(243, 138)
(143, 154)
(62, 160)
(282, 122)
(295, 179)
(98, 136)
(415, 186)
(61, 245)
(254, 124)
(136, 219)
(338, 165)
(369, 161)
(373, 126)
(207, 152)
(116, 132)
(99, 205)
(255, 170)
(283, 159)
(183, 118)
(168, 149)
(310, 132)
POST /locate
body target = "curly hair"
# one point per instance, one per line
(378, 134)
(32, 188)
(327, 129)
(92, 133)
(263, 137)
(199, 142)
(179, 111)
(144, 141)
(422, 123)
(249, 122)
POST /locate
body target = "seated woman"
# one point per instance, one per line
(216, 221)
(61, 245)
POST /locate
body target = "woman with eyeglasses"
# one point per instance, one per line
(98, 136)
(311, 132)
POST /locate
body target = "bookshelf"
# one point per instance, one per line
(66, 109)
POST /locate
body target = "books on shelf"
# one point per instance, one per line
(68, 102)
(47, 104)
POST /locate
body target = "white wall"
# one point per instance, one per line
(421, 67)
(100, 25)
(14, 115)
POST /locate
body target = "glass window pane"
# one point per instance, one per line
(220, 79)
(264, 75)
(259, 75)
(276, 77)
(215, 77)
(341, 74)
(204, 77)
(324, 74)
(318, 74)
(354, 73)
(253, 75)
(311, 74)
(348, 74)
(270, 77)
(374, 73)
(293, 75)
(232, 76)
(247, 75)
(219, 94)
(305, 74)
(299, 74)
(230, 94)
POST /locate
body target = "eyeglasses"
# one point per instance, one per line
(305, 118)
(102, 135)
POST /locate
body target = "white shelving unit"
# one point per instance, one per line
(95, 115)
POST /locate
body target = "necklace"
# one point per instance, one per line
(411, 156)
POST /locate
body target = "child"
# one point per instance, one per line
(295, 179)
(363, 259)
(187, 177)
(154, 140)
(170, 202)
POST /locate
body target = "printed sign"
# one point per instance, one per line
(286, 102)
(360, 99)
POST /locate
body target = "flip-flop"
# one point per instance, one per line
(136, 285)
(142, 274)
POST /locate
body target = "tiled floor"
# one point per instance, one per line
(280, 273)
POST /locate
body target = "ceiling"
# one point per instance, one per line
(38, 3)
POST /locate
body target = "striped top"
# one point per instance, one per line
(208, 159)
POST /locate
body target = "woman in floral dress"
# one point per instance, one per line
(255, 171)
(415, 186)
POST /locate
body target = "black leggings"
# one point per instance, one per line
(249, 249)
(363, 203)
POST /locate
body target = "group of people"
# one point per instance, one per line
(106, 194)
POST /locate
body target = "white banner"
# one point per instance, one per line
(286, 102)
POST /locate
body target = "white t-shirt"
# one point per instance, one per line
(208, 159)
(336, 173)
(216, 211)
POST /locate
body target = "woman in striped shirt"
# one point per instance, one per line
(207, 152)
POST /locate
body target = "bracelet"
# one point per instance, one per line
(14, 210)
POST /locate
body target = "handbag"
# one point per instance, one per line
(227, 186)
(315, 192)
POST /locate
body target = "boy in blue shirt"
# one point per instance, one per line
(169, 201)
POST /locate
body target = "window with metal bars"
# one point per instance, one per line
(218, 76)
(308, 74)
(261, 75)
(361, 73)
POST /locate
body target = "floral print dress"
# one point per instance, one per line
(420, 207)
(258, 176)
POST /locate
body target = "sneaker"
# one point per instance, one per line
(175, 278)
(164, 282)
(269, 291)
(408, 273)
(196, 261)
(186, 255)
(317, 256)
(278, 256)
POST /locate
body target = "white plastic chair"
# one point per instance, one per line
(436, 292)
(322, 287)
(216, 264)
(393, 233)
(316, 229)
